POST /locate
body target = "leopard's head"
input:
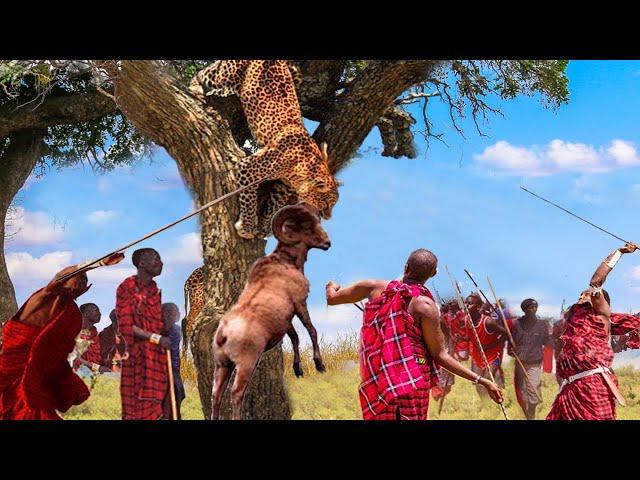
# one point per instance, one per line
(321, 191)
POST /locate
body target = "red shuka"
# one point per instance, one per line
(492, 343)
(35, 376)
(144, 376)
(460, 334)
(396, 369)
(585, 346)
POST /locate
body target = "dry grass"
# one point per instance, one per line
(334, 395)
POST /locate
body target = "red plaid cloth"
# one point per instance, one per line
(460, 335)
(35, 376)
(626, 324)
(585, 346)
(395, 367)
(492, 343)
(144, 377)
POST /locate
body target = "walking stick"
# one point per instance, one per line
(172, 389)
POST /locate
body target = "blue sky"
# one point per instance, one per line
(460, 201)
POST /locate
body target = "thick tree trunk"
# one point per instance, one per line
(26, 147)
(201, 144)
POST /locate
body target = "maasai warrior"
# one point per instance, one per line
(91, 358)
(36, 380)
(459, 333)
(530, 334)
(170, 317)
(112, 346)
(400, 340)
(144, 380)
(492, 336)
(589, 388)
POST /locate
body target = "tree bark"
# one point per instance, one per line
(365, 101)
(55, 110)
(24, 150)
(201, 143)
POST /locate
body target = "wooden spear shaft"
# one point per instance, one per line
(162, 229)
(469, 322)
(172, 388)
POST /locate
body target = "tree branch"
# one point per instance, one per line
(163, 109)
(55, 110)
(365, 101)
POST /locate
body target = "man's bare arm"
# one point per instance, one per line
(361, 290)
(598, 278)
(426, 312)
(600, 275)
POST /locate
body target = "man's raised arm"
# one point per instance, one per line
(600, 275)
(353, 293)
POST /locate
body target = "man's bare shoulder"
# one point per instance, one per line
(424, 307)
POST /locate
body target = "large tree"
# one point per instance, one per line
(348, 98)
(52, 115)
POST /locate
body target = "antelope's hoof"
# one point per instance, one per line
(320, 366)
(298, 371)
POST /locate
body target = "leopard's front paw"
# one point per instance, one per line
(242, 232)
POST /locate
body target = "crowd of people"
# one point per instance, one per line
(51, 343)
(411, 346)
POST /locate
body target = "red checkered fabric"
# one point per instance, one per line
(492, 343)
(627, 324)
(144, 377)
(460, 335)
(395, 367)
(585, 346)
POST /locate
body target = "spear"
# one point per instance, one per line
(577, 216)
(500, 314)
(464, 308)
(90, 265)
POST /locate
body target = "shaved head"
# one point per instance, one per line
(421, 265)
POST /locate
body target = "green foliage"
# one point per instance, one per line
(104, 143)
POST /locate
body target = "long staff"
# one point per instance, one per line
(463, 306)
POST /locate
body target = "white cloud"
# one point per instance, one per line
(557, 157)
(624, 153)
(24, 268)
(189, 249)
(101, 217)
(33, 228)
